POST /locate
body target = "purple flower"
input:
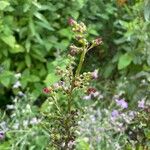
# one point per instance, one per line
(122, 103)
(141, 104)
(2, 136)
(115, 113)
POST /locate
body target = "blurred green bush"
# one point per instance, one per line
(34, 34)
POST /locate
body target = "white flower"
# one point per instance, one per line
(34, 121)
(95, 74)
(17, 84)
(71, 143)
(25, 123)
(10, 106)
(95, 94)
(15, 126)
(17, 75)
(87, 97)
(21, 94)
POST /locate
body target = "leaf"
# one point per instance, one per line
(5, 78)
(17, 49)
(46, 106)
(51, 79)
(3, 4)
(33, 78)
(65, 33)
(45, 25)
(124, 61)
(9, 40)
(147, 10)
(28, 60)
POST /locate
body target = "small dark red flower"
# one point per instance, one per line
(47, 90)
(71, 22)
(91, 90)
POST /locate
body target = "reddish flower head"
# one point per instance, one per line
(71, 22)
(91, 90)
(47, 90)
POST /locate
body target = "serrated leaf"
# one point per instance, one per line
(124, 61)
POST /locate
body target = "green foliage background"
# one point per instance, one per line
(34, 34)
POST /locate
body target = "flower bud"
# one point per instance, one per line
(73, 50)
(47, 90)
(97, 41)
(91, 90)
(71, 22)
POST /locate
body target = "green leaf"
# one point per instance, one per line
(124, 61)
(5, 78)
(65, 33)
(28, 60)
(33, 78)
(147, 10)
(9, 40)
(3, 4)
(51, 79)
(17, 49)
(46, 106)
(82, 144)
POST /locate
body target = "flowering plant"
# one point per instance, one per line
(61, 121)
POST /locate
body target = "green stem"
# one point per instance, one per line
(81, 62)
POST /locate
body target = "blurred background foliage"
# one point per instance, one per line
(34, 34)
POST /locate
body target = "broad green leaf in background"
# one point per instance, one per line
(124, 61)
(3, 4)
(147, 10)
(9, 40)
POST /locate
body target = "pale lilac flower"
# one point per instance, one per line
(95, 74)
(2, 135)
(115, 113)
(17, 85)
(122, 103)
(141, 104)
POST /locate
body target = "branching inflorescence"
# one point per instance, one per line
(61, 94)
